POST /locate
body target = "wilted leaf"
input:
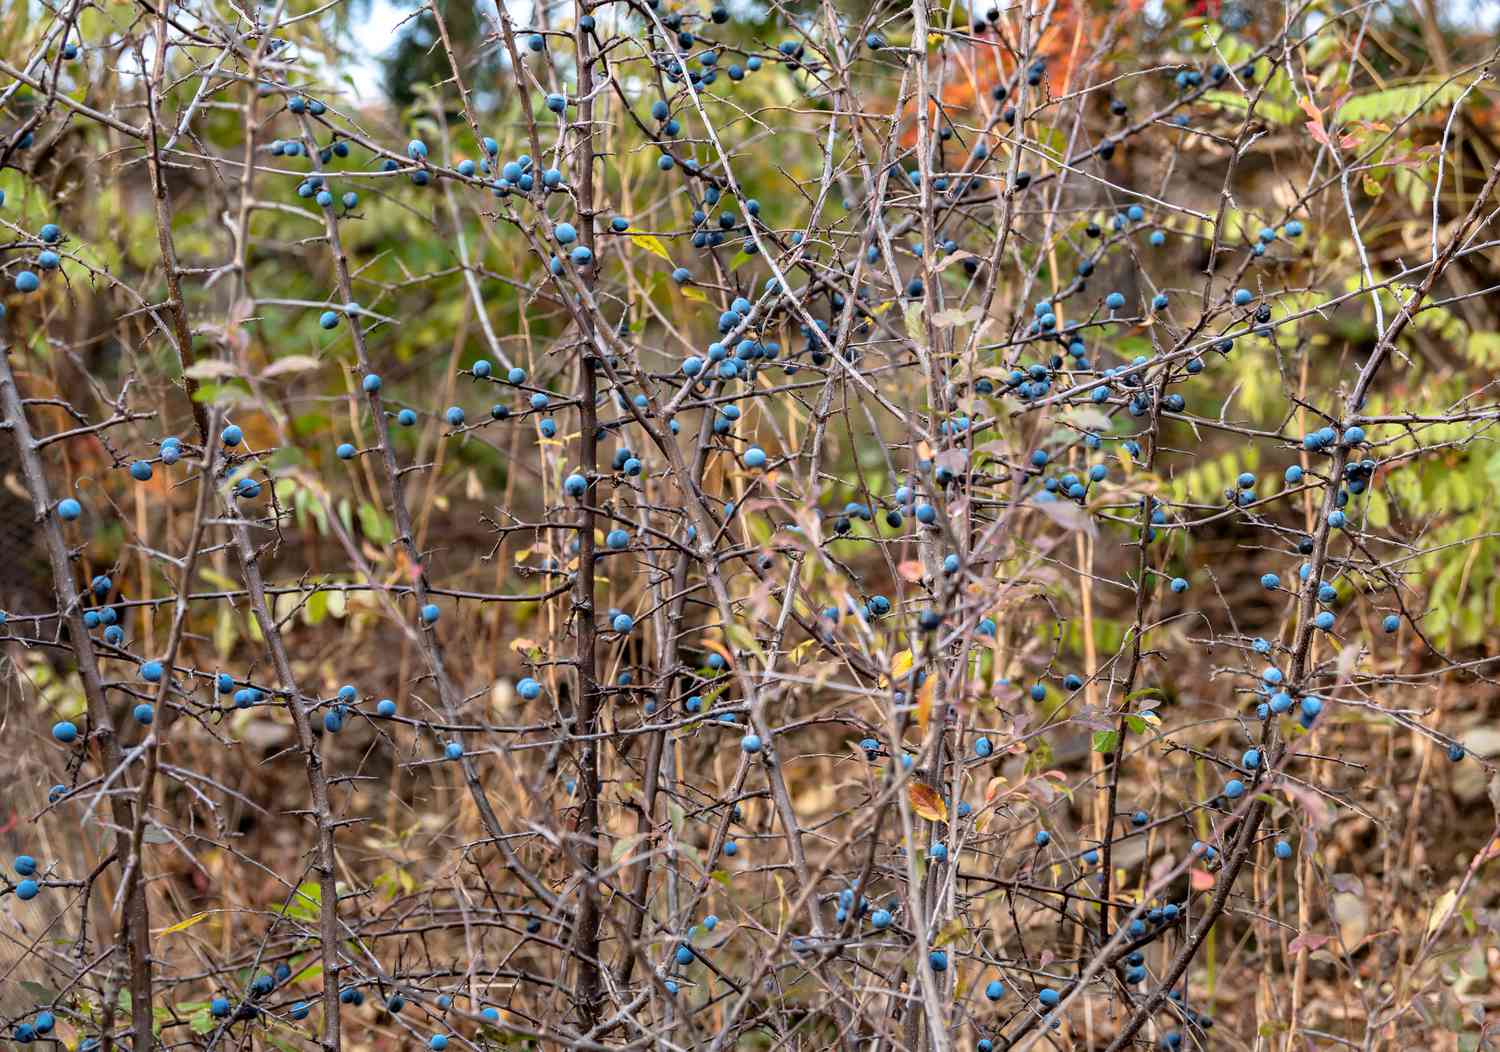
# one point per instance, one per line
(1067, 515)
(210, 369)
(1308, 941)
(913, 315)
(1313, 805)
(1089, 419)
(948, 319)
(292, 363)
(1346, 884)
(926, 802)
(625, 846)
(956, 461)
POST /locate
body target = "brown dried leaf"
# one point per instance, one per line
(926, 802)
(1307, 941)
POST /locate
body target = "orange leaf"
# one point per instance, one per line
(1202, 879)
(924, 702)
(1314, 121)
(926, 802)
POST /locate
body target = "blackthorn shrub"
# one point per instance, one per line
(704, 525)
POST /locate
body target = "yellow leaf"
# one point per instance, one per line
(652, 245)
(900, 666)
(926, 802)
(692, 294)
(183, 925)
(1442, 910)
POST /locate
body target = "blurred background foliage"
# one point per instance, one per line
(385, 68)
(380, 65)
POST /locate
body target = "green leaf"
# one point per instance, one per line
(305, 904)
(376, 525)
(306, 975)
(200, 1019)
(1105, 741)
(1423, 96)
(316, 608)
(1275, 112)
